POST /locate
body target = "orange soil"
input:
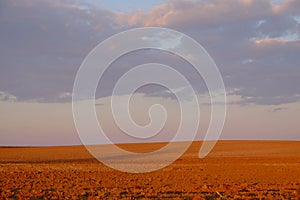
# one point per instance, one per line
(233, 170)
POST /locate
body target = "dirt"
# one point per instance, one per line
(233, 170)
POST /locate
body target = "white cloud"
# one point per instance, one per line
(4, 96)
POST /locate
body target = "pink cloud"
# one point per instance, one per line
(198, 12)
(289, 6)
(276, 40)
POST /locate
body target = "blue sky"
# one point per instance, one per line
(129, 6)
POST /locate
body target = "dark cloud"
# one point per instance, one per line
(43, 44)
(135, 58)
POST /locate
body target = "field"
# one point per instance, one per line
(233, 170)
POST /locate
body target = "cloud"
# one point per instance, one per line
(278, 109)
(4, 96)
(188, 13)
(43, 44)
(254, 43)
(288, 7)
(236, 32)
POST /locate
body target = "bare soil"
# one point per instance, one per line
(233, 170)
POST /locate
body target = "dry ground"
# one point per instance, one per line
(234, 170)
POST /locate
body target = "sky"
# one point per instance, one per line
(254, 43)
